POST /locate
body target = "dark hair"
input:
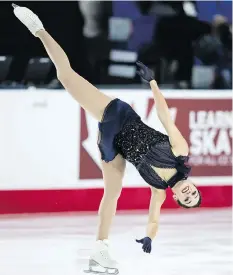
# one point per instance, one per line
(194, 206)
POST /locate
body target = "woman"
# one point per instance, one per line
(160, 159)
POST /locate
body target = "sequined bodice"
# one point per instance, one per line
(145, 148)
(135, 140)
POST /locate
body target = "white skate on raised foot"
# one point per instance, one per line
(100, 261)
(28, 18)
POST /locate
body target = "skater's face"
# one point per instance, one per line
(186, 194)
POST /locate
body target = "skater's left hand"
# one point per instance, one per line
(146, 247)
(144, 72)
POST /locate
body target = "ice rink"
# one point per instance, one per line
(188, 242)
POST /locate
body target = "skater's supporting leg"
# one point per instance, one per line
(113, 173)
(88, 96)
(100, 261)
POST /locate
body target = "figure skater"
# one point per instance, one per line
(160, 159)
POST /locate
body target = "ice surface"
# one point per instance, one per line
(188, 242)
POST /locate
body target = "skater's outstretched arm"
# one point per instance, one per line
(178, 142)
(157, 199)
(88, 96)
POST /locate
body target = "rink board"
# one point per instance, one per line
(50, 162)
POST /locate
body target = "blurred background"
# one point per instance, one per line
(188, 44)
(49, 161)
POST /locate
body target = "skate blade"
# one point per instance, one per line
(108, 272)
(95, 268)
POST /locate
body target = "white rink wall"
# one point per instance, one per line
(48, 143)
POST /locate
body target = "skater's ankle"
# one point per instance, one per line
(104, 242)
(40, 34)
(102, 239)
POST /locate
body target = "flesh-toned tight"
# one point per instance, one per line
(94, 102)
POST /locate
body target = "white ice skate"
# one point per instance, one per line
(100, 261)
(28, 18)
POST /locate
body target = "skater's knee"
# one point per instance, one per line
(112, 193)
(64, 75)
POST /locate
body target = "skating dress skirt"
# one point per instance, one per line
(123, 132)
(115, 116)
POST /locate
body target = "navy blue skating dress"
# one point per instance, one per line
(123, 132)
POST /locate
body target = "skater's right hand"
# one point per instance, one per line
(28, 18)
(146, 247)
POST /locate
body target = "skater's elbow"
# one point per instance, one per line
(158, 195)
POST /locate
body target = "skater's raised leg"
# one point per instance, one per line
(88, 96)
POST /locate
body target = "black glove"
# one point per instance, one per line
(146, 244)
(144, 72)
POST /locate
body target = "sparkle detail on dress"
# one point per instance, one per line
(145, 148)
(135, 140)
